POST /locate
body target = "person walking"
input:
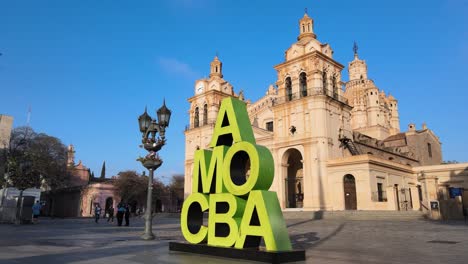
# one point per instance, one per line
(120, 213)
(127, 215)
(110, 213)
(36, 210)
(97, 212)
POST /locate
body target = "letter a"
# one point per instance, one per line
(232, 119)
(263, 218)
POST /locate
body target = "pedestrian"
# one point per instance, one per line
(36, 210)
(97, 212)
(127, 215)
(120, 213)
(110, 213)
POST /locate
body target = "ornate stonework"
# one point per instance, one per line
(336, 145)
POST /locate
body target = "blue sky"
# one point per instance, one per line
(88, 68)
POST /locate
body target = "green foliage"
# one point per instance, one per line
(35, 159)
(103, 170)
(131, 186)
(176, 189)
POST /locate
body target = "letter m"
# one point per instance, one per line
(207, 170)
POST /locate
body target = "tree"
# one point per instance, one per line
(103, 170)
(34, 159)
(160, 195)
(131, 186)
(176, 191)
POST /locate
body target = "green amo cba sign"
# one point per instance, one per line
(241, 210)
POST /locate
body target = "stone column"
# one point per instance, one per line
(429, 189)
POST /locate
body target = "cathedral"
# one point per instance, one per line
(336, 145)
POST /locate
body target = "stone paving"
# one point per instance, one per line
(325, 241)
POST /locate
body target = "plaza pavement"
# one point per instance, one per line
(325, 241)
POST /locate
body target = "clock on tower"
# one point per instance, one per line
(199, 88)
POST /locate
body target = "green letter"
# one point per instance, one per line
(191, 218)
(267, 223)
(224, 218)
(261, 168)
(204, 172)
(232, 119)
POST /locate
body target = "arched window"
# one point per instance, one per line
(324, 80)
(216, 68)
(196, 118)
(205, 114)
(303, 84)
(303, 30)
(429, 150)
(288, 88)
(308, 27)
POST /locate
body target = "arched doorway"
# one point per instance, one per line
(109, 203)
(349, 186)
(294, 185)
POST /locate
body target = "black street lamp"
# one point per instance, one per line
(150, 128)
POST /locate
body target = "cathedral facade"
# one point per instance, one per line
(336, 145)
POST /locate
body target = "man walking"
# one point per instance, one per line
(97, 212)
(127, 215)
(120, 213)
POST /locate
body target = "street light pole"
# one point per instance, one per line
(149, 128)
(148, 235)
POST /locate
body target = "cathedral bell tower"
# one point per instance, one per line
(357, 69)
(216, 69)
(306, 27)
(204, 108)
(70, 156)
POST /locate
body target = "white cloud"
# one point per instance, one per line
(176, 67)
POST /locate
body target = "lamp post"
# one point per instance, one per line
(149, 128)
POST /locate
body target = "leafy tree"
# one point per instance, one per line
(34, 159)
(176, 190)
(177, 182)
(103, 170)
(131, 186)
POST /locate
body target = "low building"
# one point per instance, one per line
(82, 193)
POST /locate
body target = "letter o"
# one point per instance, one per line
(261, 168)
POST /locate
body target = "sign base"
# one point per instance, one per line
(247, 254)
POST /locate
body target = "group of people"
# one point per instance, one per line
(123, 211)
